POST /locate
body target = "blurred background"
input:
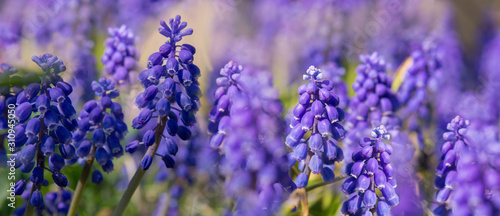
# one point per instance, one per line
(282, 37)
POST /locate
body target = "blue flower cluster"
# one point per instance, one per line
(102, 120)
(47, 117)
(413, 94)
(219, 115)
(317, 113)
(171, 90)
(6, 98)
(120, 56)
(446, 171)
(54, 202)
(370, 170)
(254, 159)
(373, 104)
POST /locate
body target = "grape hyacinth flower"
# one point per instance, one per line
(373, 104)
(317, 113)
(171, 95)
(446, 172)
(219, 115)
(47, 117)
(477, 182)
(100, 129)
(370, 170)
(254, 161)
(120, 55)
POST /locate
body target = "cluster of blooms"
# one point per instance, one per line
(478, 174)
(334, 73)
(120, 56)
(446, 171)
(318, 113)
(103, 120)
(254, 160)
(50, 127)
(227, 90)
(171, 90)
(373, 104)
(53, 204)
(371, 169)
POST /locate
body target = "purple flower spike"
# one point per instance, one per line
(370, 174)
(120, 58)
(316, 111)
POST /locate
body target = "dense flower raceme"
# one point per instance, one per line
(54, 202)
(446, 171)
(100, 128)
(370, 170)
(413, 94)
(171, 90)
(229, 87)
(477, 184)
(120, 55)
(254, 161)
(317, 113)
(490, 79)
(373, 104)
(46, 118)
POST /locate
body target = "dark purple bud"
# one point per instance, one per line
(169, 161)
(188, 118)
(19, 187)
(150, 93)
(146, 162)
(23, 111)
(383, 208)
(66, 109)
(57, 95)
(42, 104)
(114, 146)
(27, 154)
(362, 183)
(95, 116)
(63, 135)
(66, 87)
(315, 142)
(155, 59)
(172, 66)
(56, 162)
(324, 127)
(98, 137)
(184, 133)
(330, 150)
(185, 56)
(37, 175)
(32, 90)
(305, 99)
(171, 146)
(108, 166)
(301, 180)
(316, 164)
(357, 168)
(353, 204)
(369, 199)
(172, 127)
(317, 109)
(307, 121)
(67, 151)
(108, 123)
(386, 105)
(163, 107)
(299, 111)
(132, 146)
(297, 133)
(183, 101)
(149, 138)
(379, 147)
(389, 170)
(371, 166)
(36, 199)
(185, 77)
(101, 156)
(97, 177)
(327, 174)
(83, 149)
(165, 49)
(332, 113)
(60, 179)
(385, 158)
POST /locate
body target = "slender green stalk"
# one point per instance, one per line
(81, 183)
(312, 187)
(139, 174)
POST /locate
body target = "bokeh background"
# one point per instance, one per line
(283, 37)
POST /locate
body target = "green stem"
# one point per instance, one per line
(139, 174)
(81, 183)
(312, 187)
